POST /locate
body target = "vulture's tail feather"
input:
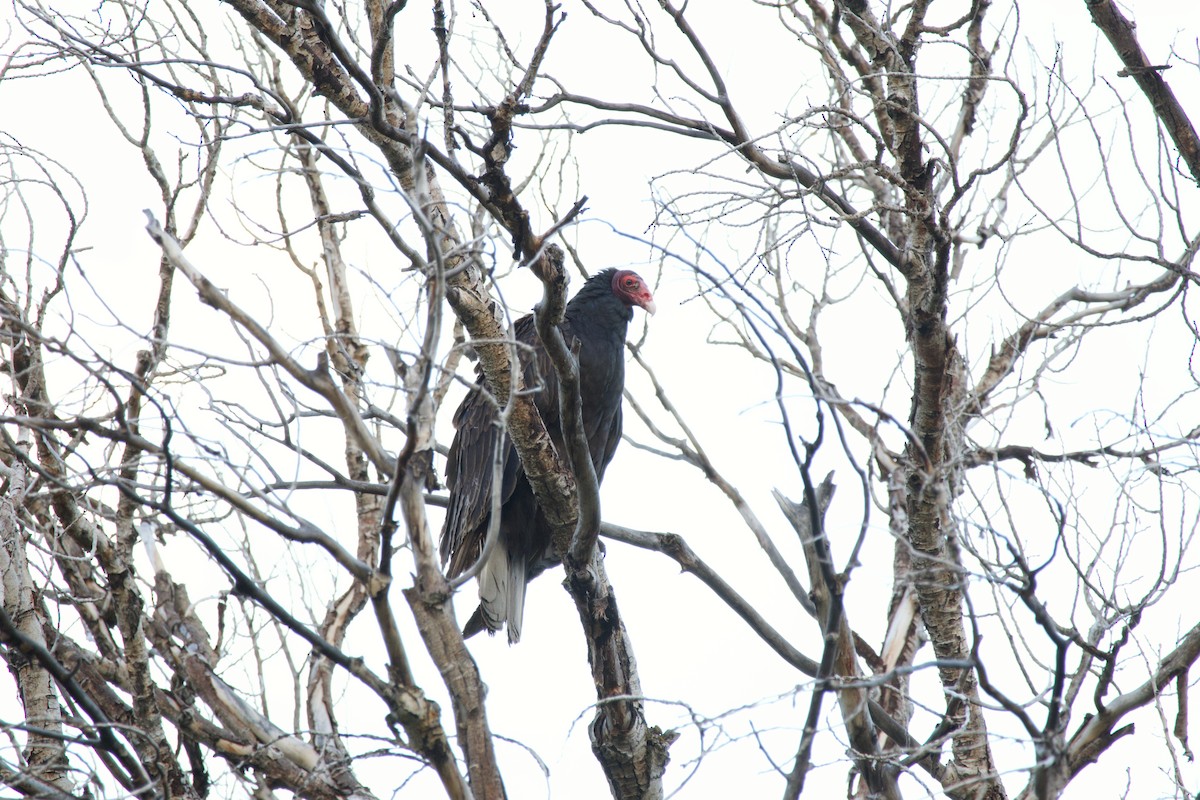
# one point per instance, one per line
(493, 588)
(501, 596)
(516, 598)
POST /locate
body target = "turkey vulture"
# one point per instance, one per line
(597, 317)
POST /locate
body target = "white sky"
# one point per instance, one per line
(697, 661)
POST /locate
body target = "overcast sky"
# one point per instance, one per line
(701, 669)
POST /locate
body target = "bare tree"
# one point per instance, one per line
(946, 264)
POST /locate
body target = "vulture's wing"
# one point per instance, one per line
(469, 469)
(604, 445)
(469, 479)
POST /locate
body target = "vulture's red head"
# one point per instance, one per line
(629, 286)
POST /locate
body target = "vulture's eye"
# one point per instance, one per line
(631, 282)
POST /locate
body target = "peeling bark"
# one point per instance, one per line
(44, 755)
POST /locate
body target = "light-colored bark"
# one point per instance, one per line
(44, 755)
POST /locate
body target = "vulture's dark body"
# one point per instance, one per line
(598, 319)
